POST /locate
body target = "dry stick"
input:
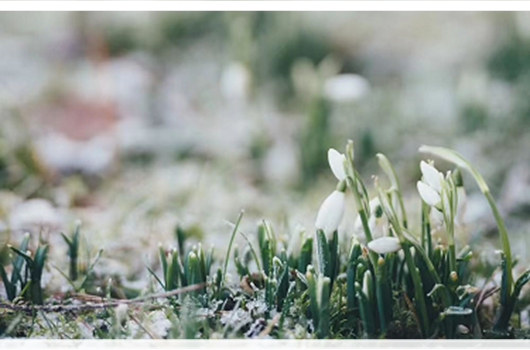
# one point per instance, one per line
(485, 294)
(102, 305)
(270, 326)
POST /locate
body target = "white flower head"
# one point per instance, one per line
(336, 163)
(428, 194)
(431, 176)
(330, 213)
(385, 245)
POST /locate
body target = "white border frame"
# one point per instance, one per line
(322, 5)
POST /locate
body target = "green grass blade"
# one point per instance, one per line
(232, 236)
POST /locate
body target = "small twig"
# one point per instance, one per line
(486, 294)
(101, 305)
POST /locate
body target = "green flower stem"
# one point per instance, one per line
(504, 239)
(449, 191)
(426, 228)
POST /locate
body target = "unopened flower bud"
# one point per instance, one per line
(453, 276)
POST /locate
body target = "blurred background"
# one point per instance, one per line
(134, 123)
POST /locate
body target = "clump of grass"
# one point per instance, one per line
(79, 274)
(26, 274)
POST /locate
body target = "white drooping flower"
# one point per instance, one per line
(430, 190)
(385, 245)
(430, 187)
(336, 163)
(330, 213)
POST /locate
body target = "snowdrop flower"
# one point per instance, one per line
(331, 212)
(430, 190)
(385, 245)
(430, 187)
(336, 163)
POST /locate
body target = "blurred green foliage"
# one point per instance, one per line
(511, 60)
(315, 141)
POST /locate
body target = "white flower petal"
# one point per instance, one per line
(336, 163)
(331, 212)
(385, 245)
(431, 176)
(429, 196)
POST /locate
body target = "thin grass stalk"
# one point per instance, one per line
(227, 257)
